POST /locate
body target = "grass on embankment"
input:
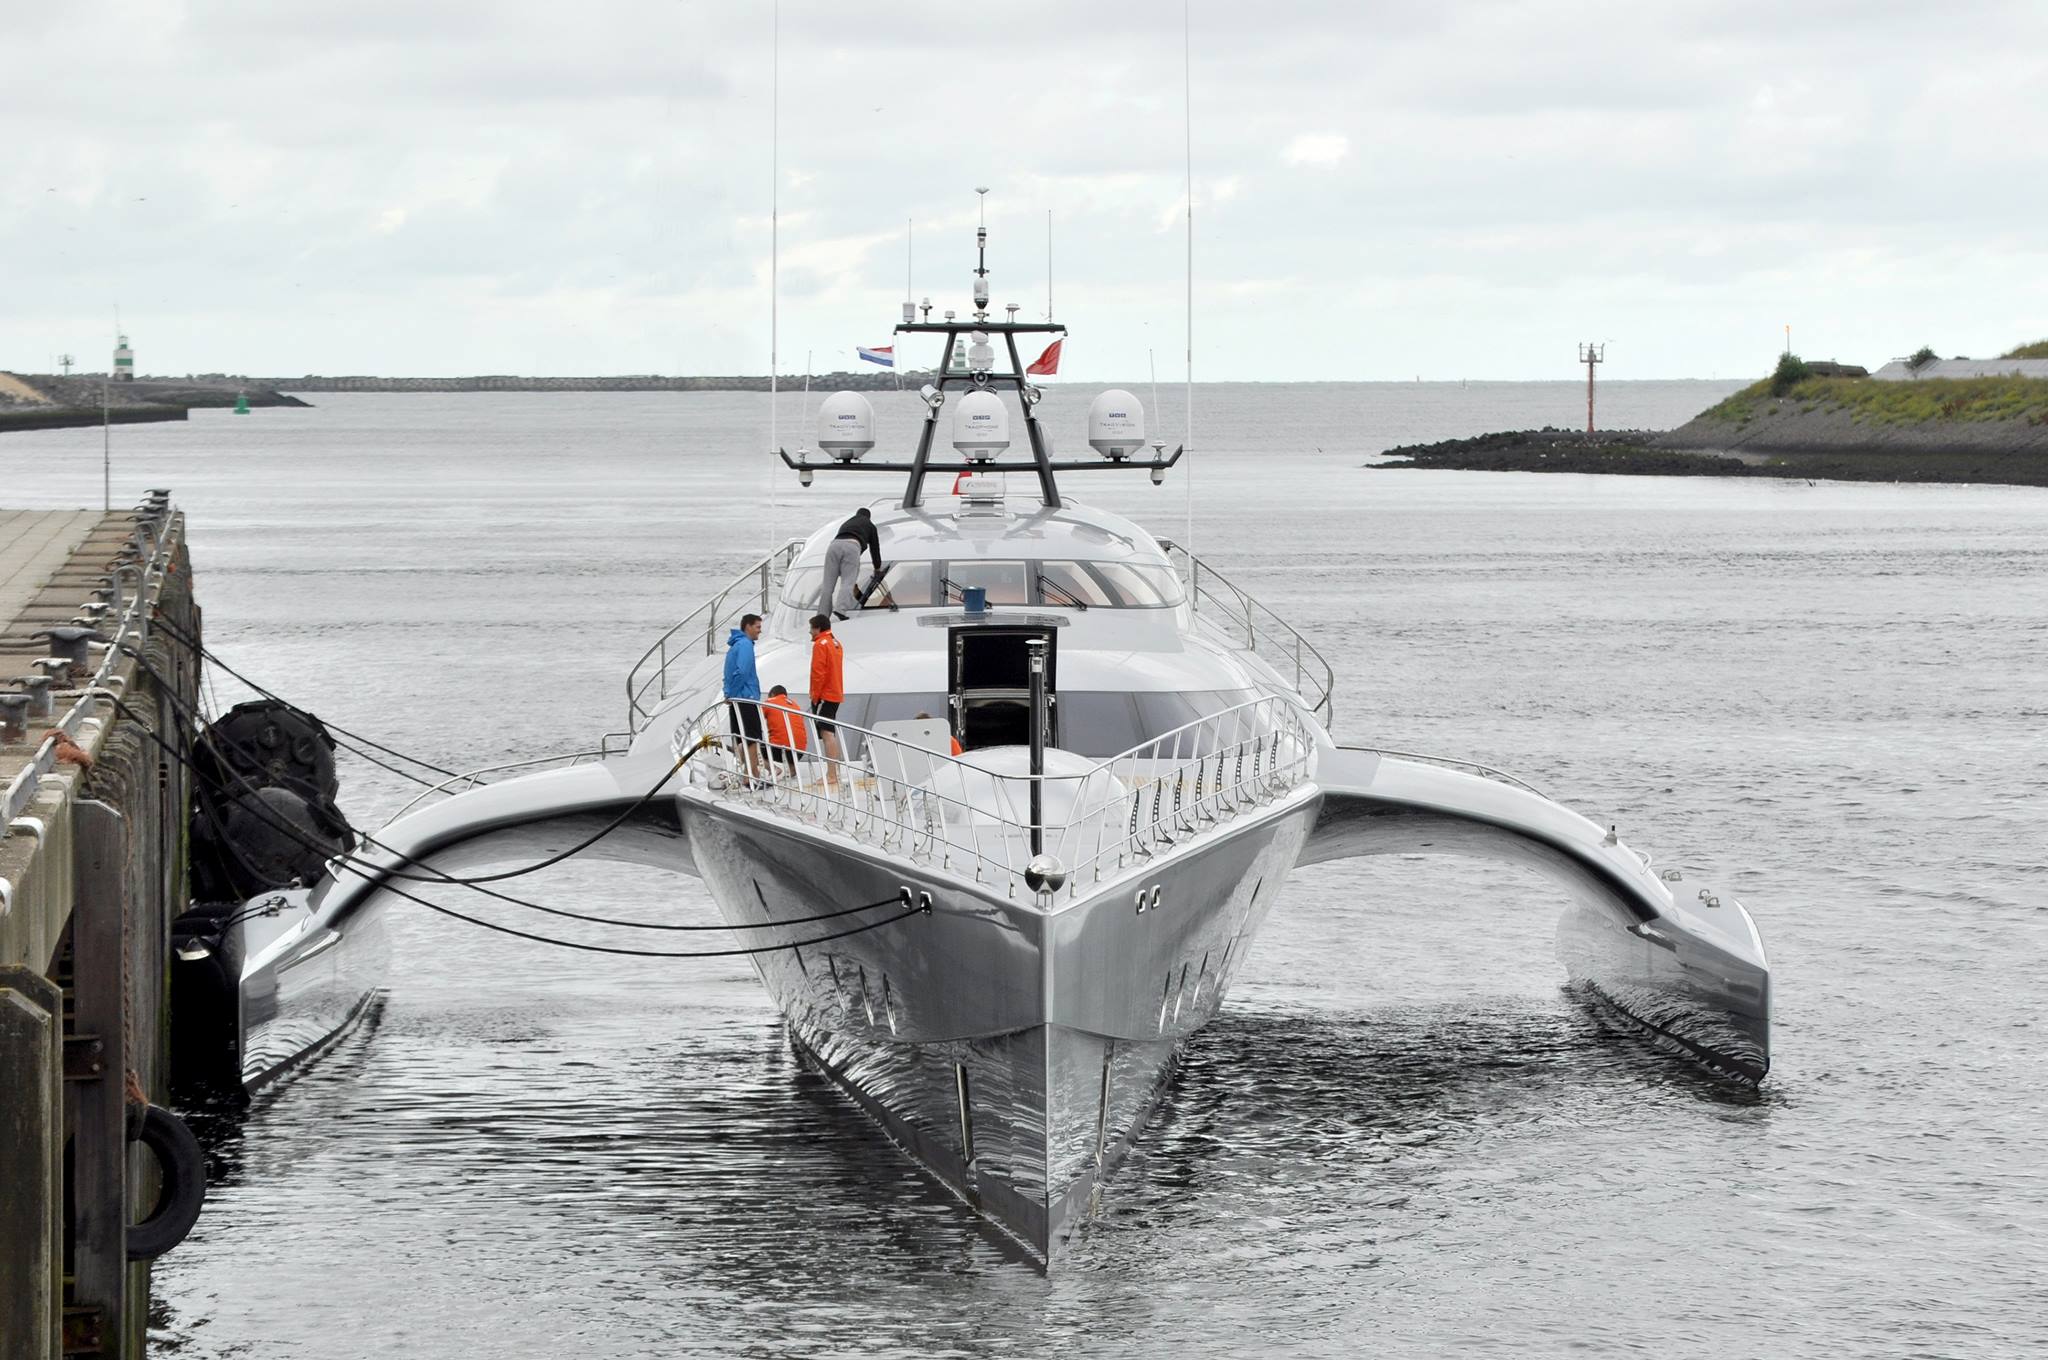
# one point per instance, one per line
(1896, 403)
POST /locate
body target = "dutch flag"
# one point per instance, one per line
(885, 356)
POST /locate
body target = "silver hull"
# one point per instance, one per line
(294, 1009)
(1014, 1052)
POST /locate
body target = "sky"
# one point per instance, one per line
(1452, 190)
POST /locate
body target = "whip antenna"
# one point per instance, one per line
(774, 255)
(1188, 132)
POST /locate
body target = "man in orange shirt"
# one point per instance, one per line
(785, 728)
(828, 688)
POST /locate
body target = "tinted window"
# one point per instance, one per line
(800, 586)
(1097, 723)
(1069, 583)
(1005, 582)
(1137, 586)
(904, 585)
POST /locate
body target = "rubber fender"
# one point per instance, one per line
(269, 742)
(178, 1204)
(241, 847)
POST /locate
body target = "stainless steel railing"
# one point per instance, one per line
(1241, 620)
(755, 588)
(952, 811)
(462, 783)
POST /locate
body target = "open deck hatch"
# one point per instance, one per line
(989, 683)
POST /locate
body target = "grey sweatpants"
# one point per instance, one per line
(842, 570)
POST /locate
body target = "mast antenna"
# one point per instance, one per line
(1188, 134)
(1048, 267)
(774, 255)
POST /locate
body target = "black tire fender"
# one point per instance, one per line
(184, 1184)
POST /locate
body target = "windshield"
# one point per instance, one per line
(1049, 583)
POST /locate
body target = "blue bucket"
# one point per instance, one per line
(976, 598)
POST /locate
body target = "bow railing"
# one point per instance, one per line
(751, 592)
(972, 815)
(1242, 621)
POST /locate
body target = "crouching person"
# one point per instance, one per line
(786, 734)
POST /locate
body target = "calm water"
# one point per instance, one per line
(1399, 1138)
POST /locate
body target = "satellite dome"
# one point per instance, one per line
(846, 425)
(981, 425)
(1116, 425)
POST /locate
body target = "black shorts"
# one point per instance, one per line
(824, 711)
(783, 756)
(746, 721)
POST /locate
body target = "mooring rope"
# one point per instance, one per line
(437, 876)
(380, 875)
(201, 650)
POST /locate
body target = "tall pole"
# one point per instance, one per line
(1187, 123)
(1035, 648)
(774, 255)
(1590, 355)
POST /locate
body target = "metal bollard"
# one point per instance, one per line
(14, 718)
(56, 667)
(37, 687)
(71, 644)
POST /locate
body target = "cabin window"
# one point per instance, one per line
(1138, 585)
(1073, 584)
(800, 587)
(1005, 582)
(904, 585)
(1049, 584)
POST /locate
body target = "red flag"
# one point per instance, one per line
(1048, 362)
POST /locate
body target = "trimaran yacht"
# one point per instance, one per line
(1060, 906)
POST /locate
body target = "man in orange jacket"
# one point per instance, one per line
(828, 688)
(785, 728)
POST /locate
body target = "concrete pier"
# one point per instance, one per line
(92, 869)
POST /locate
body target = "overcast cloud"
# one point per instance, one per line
(1451, 190)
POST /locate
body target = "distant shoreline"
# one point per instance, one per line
(45, 401)
(1645, 453)
(877, 380)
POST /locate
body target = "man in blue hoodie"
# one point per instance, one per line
(742, 681)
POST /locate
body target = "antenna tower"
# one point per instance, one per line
(1590, 355)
